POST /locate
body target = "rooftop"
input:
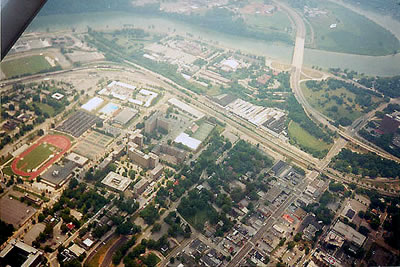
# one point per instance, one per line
(188, 141)
(116, 181)
(183, 106)
(125, 115)
(349, 233)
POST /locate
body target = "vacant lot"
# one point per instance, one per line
(304, 139)
(25, 65)
(354, 33)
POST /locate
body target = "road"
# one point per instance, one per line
(297, 63)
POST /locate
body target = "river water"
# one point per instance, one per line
(382, 65)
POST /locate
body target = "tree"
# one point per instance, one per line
(149, 214)
(291, 245)
(156, 228)
(151, 260)
(298, 237)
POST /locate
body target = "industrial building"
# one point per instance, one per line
(116, 181)
(390, 123)
(186, 108)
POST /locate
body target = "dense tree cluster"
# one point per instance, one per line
(196, 203)
(368, 164)
(6, 230)
(149, 214)
(244, 158)
(389, 86)
(320, 209)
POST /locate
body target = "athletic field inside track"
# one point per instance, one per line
(41, 155)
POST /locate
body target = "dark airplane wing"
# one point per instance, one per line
(15, 17)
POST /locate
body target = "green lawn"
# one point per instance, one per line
(354, 34)
(36, 157)
(322, 101)
(304, 139)
(46, 108)
(24, 65)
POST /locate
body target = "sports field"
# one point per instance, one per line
(25, 65)
(41, 155)
(203, 131)
(36, 157)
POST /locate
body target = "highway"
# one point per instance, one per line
(297, 63)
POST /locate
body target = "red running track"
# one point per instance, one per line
(59, 141)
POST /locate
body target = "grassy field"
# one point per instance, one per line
(36, 157)
(279, 21)
(303, 138)
(322, 101)
(354, 34)
(46, 108)
(24, 65)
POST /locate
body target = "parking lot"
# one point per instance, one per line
(14, 212)
(78, 123)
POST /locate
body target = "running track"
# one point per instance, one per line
(59, 141)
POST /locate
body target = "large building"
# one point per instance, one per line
(178, 154)
(156, 121)
(125, 116)
(148, 161)
(186, 108)
(59, 173)
(390, 123)
(17, 254)
(157, 172)
(116, 181)
(341, 232)
(136, 138)
(140, 186)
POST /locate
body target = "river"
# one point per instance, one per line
(382, 65)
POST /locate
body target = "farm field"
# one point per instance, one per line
(25, 65)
